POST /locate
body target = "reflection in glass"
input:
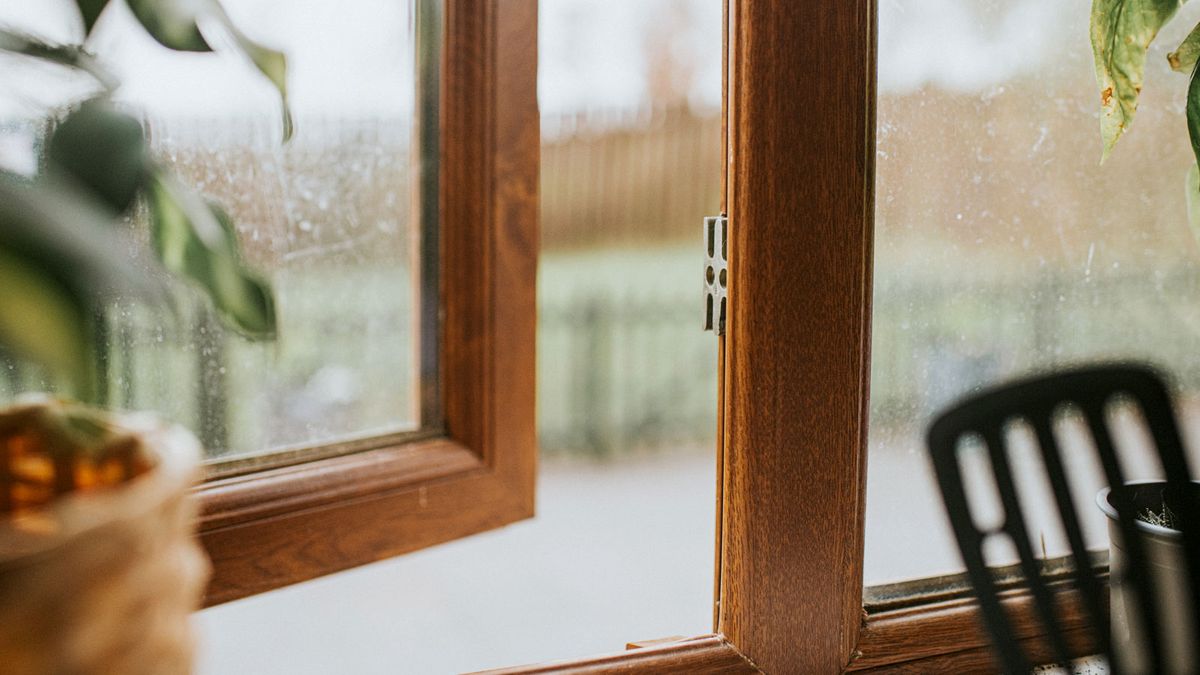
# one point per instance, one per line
(1003, 247)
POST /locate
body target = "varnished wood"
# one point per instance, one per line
(718, 511)
(793, 395)
(703, 655)
(796, 366)
(272, 528)
(973, 661)
(232, 501)
(953, 630)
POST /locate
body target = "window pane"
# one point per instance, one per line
(328, 218)
(1004, 248)
(617, 551)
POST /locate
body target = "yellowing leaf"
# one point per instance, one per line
(1121, 32)
(1184, 58)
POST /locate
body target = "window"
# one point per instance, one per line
(795, 368)
(377, 424)
(278, 526)
(793, 397)
(800, 120)
(1005, 248)
(333, 218)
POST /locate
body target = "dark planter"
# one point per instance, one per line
(1169, 571)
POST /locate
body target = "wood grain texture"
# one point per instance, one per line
(796, 362)
(953, 632)
(703, 655)
(976, 660)
(272, 528)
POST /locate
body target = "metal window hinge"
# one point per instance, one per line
(716, 261)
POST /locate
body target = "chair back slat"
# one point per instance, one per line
(1036, 401)
(1145, 597)
(1018, 534)
(971, 541)
(1083, 574)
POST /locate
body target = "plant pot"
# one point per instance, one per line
(102, 580)
(1167, 568)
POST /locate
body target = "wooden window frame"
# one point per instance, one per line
(794, 365)
(795, 371)
(275, 527)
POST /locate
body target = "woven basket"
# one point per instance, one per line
(101, 575)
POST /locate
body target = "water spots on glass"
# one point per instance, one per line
(1002, 247)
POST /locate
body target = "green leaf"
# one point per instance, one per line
(173, 22)
(105, 150)
(71, 56)
(1184, 58)
(1193, 176)
(176, 24)
(272, 64)
(1121, 32)
(1193, 113)
(89, 11)
(41, 320)
(61, 255)
(196, 240)
(1192, 190)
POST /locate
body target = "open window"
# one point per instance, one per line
(438, 373)
(802, 197)
(795, 363)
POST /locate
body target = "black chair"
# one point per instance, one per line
(1036, 401)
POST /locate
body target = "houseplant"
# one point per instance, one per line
(98, 566)
(1121, 34)
(1160, 533)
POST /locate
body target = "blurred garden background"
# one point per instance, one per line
(1002, 248)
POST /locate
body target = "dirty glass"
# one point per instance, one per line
(1004, 248)
(631, 162)
(329, 218)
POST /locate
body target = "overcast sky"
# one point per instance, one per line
(356, 55)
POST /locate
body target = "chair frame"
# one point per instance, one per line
(1037, 401)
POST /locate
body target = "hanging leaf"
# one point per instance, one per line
(1193, 113)
(89, 11)
(1193, 177)
(1183, 59)
(104, 150)
(1121, 32)
(172, 22)
(176, 24)
(196, 240)
(71, 56)
(272, 64)
(1192, 190)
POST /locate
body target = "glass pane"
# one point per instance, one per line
(620, 545)
(329, 218)
(1004, 248)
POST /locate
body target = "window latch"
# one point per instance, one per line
(716, 261)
